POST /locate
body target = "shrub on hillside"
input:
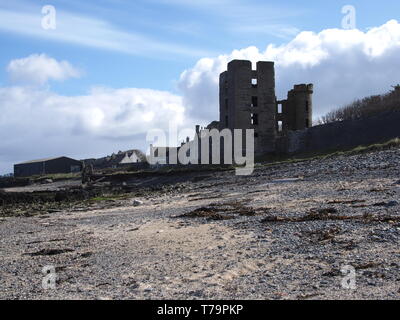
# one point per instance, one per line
(365, 107)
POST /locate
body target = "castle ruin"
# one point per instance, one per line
(247, 100)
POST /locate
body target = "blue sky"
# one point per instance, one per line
(181, 32)
(112, 70)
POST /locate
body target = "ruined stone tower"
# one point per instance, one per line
(247, 101)
(295, 113)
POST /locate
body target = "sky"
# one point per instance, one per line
(88, 78)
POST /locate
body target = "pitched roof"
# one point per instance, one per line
(43, 160)
(116, 158)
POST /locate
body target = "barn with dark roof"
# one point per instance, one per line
(47, 166)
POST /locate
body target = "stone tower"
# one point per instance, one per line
(296, 111)
(248, 101)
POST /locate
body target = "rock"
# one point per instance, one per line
(391, 204)
(287, 180)
(386, 204)
(61, 196)
(137, 203)
(196, 293)
(134, 286)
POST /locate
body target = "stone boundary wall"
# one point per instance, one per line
(342, 135)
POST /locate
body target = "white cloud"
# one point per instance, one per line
(36, 123)
(102, 113)
(342, 64)
(39, 68)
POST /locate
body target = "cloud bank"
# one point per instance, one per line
(36, 122)
(342, 64)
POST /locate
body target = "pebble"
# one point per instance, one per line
(392, 204)
(137, 203)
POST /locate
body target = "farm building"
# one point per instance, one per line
(47, 166)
